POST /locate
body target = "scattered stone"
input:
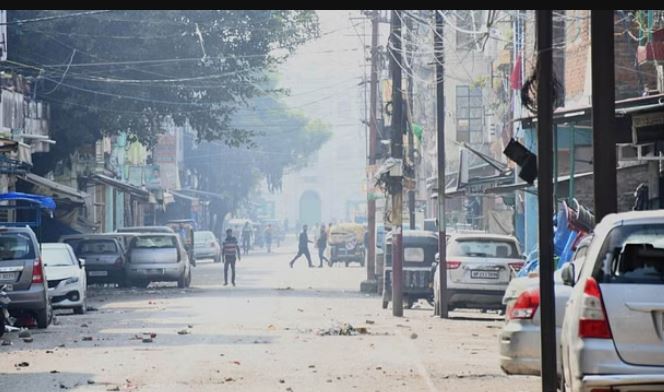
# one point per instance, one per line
(229, 379)
(312, 366)
(413, 335)
(183, 332)
(115, 388)
(147, 340)
(300, 310)
(281, 381)
(369, 321)
(328, 380)
(379, 367)
(87, 338)
(190, 326)
(235, 362)
(62, 345)
(284, 288)
(63, 386)
(54, 372)
(49, 351)
(24, 334)
(22, 364)
(84, 325)
(90, 382)
(28, 340)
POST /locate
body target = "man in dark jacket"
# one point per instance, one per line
(303, 247)
(231, 251)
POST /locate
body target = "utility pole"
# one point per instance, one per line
(409, 119)
(438, 48)
(373, 130)
(603, 112)
(396, 147)
(544, 28)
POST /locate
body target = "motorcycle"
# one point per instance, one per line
(5, 320)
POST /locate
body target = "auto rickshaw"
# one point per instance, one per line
(419, 263)
(346, 244)
(186, 228)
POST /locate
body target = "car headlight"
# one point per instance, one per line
(71, 281)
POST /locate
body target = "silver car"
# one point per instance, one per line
(479, 267)
(613, 330)
(22, 272)
(157, 257)
(519, 340)
(206, 246)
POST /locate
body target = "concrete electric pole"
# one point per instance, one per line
(396, 147)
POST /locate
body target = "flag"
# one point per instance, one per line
(515, 76)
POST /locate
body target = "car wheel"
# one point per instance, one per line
(81, 309)
(431, 302)
(385, 304)
(43, 318)
(217, 259)
(408, 303)
(182, 281)
(346, 263)
(331, 263)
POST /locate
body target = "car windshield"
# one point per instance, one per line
(96, 247)
(483, 247)
(201, 237)
(16, 246)
(633, 254)
(56, 257)
(154, 242)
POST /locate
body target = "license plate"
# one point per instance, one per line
(8, 276)
(98, 273)
(484, 274)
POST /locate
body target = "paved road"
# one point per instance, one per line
(266, 334)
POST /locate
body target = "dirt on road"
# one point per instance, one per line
(280, 329)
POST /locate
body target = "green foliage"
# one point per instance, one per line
(127, 70)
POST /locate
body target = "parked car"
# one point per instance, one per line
(104, 256)
(206, 246)
(519, 340)
(66, 277)
(22, 273)
(346, 244)
(158, 257)
(479, 267)
(613, 325)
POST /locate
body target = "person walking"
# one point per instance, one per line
(321, 244)
(246, 238)
(303, 247)
(268, 238)
(231, 251)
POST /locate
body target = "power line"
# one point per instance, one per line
(47, 18)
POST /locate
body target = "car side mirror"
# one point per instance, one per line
(567, 274)
(81, 262)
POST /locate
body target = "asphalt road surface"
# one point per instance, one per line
(276, 331)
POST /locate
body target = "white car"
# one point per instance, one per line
(66, 277)
(613, 330)
(479, 268)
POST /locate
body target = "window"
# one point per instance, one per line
(54, 257)
(154, 242)
(480, 247)
(16, 246)
(469, 114)
(415, 255)
(97, 247)
(633, 254)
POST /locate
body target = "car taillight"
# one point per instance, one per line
(526, 305)
(593, 322)
(451, 264)
(516, 266)
(37, 271)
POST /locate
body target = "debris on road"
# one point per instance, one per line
(87, 338)
(183, 332)
(28, 340)
(345, 330)
(24, 334)
(90, 382)
(284, 288)
(413, 335)
(369, 321)
(147, 340)
(22, 364)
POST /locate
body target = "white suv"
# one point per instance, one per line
(613, 330)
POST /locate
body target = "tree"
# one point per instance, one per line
(283, 140)
(103, 72)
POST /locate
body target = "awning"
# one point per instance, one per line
(44, 186)
(123, 186)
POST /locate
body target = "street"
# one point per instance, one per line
(275, 331)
